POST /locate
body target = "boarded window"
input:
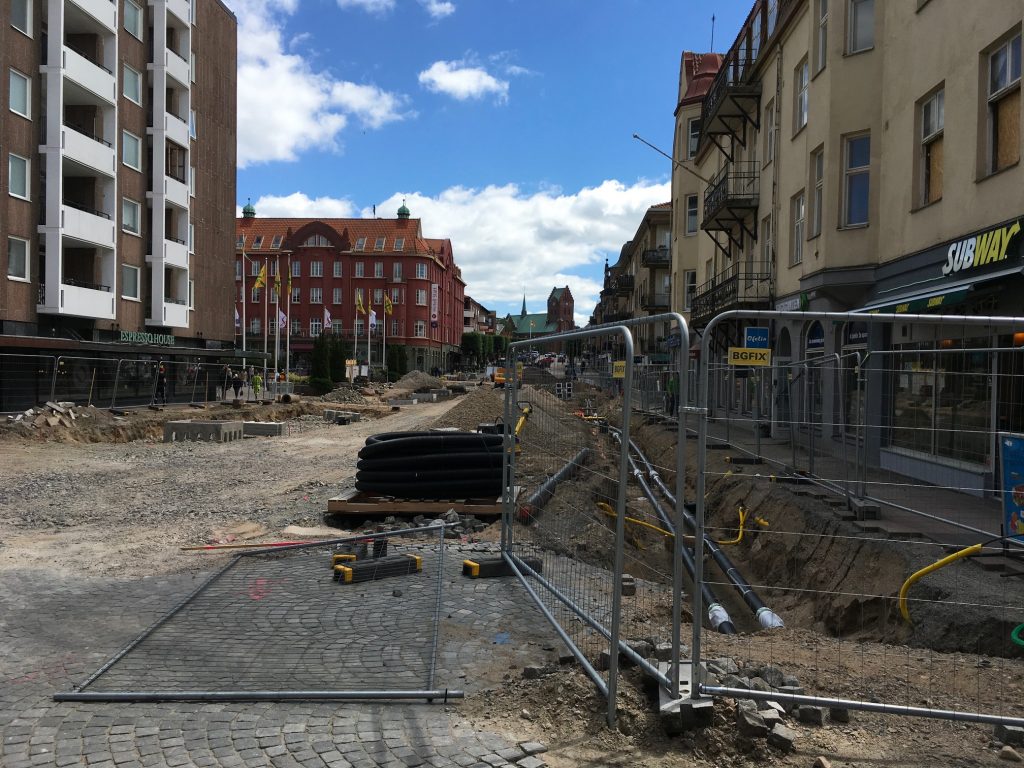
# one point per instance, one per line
(933, 171)
(1006, 131)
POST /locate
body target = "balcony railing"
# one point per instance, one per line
(742, 285)
(87, 57)
(656, 257)
(172, 300)
(623, 285)
(84, 284)
(654, 301)
(87, 209)
(616, 317)
(175, 239)
(737, 185)
(85, 132)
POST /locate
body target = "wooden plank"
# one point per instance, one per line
(353, 502)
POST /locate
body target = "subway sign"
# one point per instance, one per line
(749, 356)
(989, 247)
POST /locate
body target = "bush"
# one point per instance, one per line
(320, 385)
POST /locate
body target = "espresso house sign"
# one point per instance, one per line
(153, 339)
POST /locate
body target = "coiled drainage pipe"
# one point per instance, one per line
(765, 616)
(718, 616)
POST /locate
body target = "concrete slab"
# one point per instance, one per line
(210, 431)
(263, 428)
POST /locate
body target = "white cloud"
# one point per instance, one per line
(438, 9)
(300, 205)
(284, 105)
(462, 81)
(370, 6)
(506, 240)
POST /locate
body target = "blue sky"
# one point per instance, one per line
(506, 125)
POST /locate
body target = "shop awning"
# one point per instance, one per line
(922, 303)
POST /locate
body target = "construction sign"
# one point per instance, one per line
(749, 356)
(619, 369)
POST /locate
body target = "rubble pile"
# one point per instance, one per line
(346, 393)
(53, 414)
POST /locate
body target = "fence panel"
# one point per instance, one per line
(599, 557)
(25, 380)
(84, 380)
(865, 505)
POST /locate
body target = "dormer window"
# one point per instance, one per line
(379, 245)
(240, 241)
(276, 243)
(257, 242)
(360, 244)
(399, 243)
(316, 241)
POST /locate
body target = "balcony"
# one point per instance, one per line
(103, 11)
(730, 103)
(176, 192)
(170, 312)
(92, 77)
(175, 253)
(616, 317)
(86, 225)
(622, 285)
(180, 8)
(177, 67)
(731, 199)
(655, 301)
(656, 258)
(88, 150)
(84, 299)
(176, 129)
(743, 285)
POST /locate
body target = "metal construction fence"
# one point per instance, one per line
(868, 493)
(29, 380)
(566, 533)
(277, 624)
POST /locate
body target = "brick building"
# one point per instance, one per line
(333, 263)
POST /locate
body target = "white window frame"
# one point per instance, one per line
(855, 7)
(316, 326)
(16, 75)
(337, 268)
(378, 295)
(125, 79)
(420, 329)
(360, 269)
(848, 174)
(192, 124)
(421, 297)
(316, 295)
(11, 158)
(138, 144)
(421, 271)
(126, 269)
(296, 297)
(255, 326)
(316, 268)
(766, 243)
(192, 65)
(257, 242)
(696, 215)
(126, 203)
(821, 54)
(396, 271)
(257, 296)
(771, 127)
(336, 296)
(27, 6)
(378, 269)
(26, 265)
(191, 237)
(801, 80)
(997, 91)
(191, 294)
(933, 123)
(139, 18)
(378, 245)
(399, 243)
(798, 212)
(689, 288)
(256, 267)
(191, 181)
(818, 196)
(360, 327)
(296, 268)
(394, 295)
(360, 244)
(692, 137)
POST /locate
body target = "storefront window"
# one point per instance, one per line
(942, 401)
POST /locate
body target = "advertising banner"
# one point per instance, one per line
(433, 305)
(1011, 459)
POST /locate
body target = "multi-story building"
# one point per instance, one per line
(557, 318)
(334, 266)
(117, 201)
(476, 318)
(831, 186)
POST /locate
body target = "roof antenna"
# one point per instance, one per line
(712, 33)
(374, 210)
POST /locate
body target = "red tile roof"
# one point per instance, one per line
(349, 231)
(700, 70)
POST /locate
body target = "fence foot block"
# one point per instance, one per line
(381, 568)
(494, 567)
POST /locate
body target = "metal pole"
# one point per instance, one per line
(244, 302)
(158, 696)
(117, 378)
(53, 379)
(437, 603)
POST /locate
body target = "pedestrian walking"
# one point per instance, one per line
(257, 385)
(236, 383)
(161, 387)
(673, 394)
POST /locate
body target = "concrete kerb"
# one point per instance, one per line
(263, 428)
(207, 431)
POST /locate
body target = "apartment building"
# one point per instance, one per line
(326, 269)
(865, 156)
(476, 318)
(117, 186)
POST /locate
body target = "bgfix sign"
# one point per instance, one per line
(749, 356)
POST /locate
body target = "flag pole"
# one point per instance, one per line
(288, 324)
(384, 343)
(244, 258)
(277, 316)
(266, 312)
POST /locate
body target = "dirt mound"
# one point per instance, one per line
(415, 380)
(481, 405)
(346, 393)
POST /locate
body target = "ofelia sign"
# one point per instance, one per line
(990, 247)
(141, 337)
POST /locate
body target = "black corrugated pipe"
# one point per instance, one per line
(765, 615)
(718, 617)
(536, 500)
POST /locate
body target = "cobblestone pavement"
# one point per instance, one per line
(56, 629)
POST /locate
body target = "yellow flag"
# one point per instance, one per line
(388, 306)
(359, 303)
(261, 278)
(277, 282)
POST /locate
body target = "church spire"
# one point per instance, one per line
(523, 313)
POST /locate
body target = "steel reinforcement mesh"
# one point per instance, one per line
(280, 622)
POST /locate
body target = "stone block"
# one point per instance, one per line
(812, 715)
(750, 724)
(1009, 734)
(782, 737)
(839, 715)
(207, 431)
(263, 428)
